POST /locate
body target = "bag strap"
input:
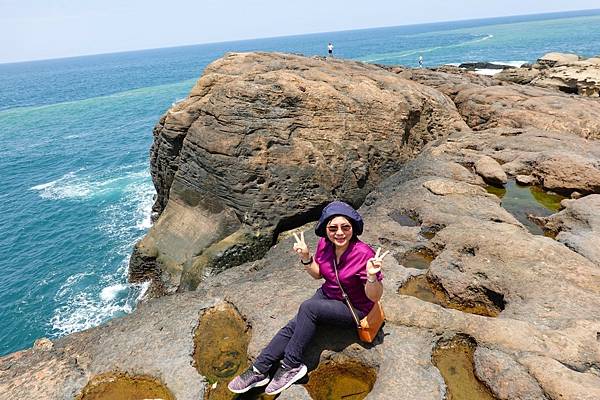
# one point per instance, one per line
(344, 295)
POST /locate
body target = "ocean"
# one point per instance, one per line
(76, 133)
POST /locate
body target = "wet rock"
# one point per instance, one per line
(491, 171)
(484, 65)
(220, 348)
(122, 386)
(423, 288)
(341, 380)
(454, 358)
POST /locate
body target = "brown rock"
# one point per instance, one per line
(264, 141)
(578, 226)
(553, 59)
(567, 172)
(491, 171)
(562, 72)
(521, 76)
(560, 382)
(507, 379)
(525, 180)
(484, 104)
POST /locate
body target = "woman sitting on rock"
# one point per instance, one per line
(358, 268)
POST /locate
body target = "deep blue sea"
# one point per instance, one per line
(76, 191)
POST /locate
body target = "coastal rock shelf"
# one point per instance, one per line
(568, 73)
(264, 140)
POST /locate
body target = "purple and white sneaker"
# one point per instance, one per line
(284, 377)
(248, 379)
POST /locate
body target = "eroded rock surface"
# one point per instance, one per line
(578, 226)
(486, 102)
(263, 142)
(567, 73)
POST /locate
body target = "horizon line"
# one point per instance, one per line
(295, 35)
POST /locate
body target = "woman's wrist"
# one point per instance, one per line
(306, 261)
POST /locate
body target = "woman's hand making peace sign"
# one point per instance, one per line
(301, 248)
(374, 264)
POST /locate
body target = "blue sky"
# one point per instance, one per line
(40, 29)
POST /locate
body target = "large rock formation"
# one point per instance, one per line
(263, 142)
(543, 342)
(486, 103)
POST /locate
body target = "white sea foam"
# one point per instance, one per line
(515, 64)
(88, 302)
(488, 72)
(73, 185)
(84, 310)
(132, 213)
(403, 54)
(109, 293)
(67, 186)
(145, 196)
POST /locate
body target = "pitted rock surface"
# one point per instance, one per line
(265, 140)
(486, 103)
(567, 73)
(578, 226)
(155, 341)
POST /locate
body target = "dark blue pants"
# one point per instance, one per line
(291, 340)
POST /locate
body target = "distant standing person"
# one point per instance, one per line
(330, 49)
(420, 61)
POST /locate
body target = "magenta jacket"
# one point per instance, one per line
(352, 270)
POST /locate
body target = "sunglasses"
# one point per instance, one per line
(334, 228)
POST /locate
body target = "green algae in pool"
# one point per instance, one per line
(416, 258)
(521, 201)
(119, 386)
(454, 360)
(220, 349)
(422, 288)
(347, 380)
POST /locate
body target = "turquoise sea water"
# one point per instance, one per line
(76, 191)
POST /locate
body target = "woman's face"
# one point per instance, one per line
(339, 231)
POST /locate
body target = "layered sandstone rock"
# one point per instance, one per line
(486, 103)
(263, 142)
(565, 72)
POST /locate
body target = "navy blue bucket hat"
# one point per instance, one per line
(334, 209)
